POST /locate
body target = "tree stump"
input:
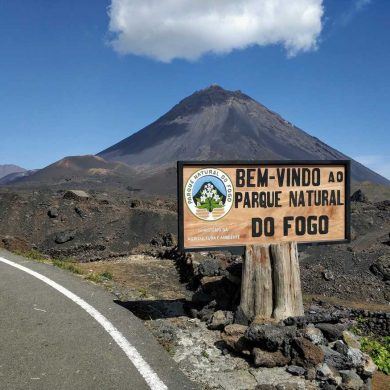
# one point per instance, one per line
(271, 286)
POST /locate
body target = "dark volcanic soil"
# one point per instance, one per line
(345, 270)
(61, 225)
(114, 223)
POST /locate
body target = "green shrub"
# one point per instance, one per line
(67, 265)
(33, 254)
(379, 350)
(98, 278)
(93, 277)
(106, 275)
(143, 292)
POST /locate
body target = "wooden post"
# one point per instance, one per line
(287, 282)
(256, 285)
(271, 286)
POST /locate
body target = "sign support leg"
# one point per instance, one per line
(256, 285)
(271, 286)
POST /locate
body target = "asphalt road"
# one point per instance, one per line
(48, 341)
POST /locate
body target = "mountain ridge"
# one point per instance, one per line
(216, 124)
(7, 169)
(210, 124)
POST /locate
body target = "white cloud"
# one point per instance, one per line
(378, 163)
(168, 29)
(359, 4)
(355, 7)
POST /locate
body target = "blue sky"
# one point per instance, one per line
(69, 86)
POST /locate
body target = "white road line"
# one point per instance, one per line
(151, 378)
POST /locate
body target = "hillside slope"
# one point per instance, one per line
(8, 169)
(223, 125)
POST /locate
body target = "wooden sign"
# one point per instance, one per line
(227, 204)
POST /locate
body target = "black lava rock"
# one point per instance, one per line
(80, 212)
(270, 337)
(334, 359)
(296, 370)
(63, 237)
(332, 332)
(209, 267)
(359, 196)
(381, 267)
(52, 212)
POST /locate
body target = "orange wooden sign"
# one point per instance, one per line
(227, 204)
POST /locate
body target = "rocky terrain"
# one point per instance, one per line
(84, 225)
(97, 225)
(266, 356)
(84, 172)
(115, 215)
(361, 267)
(188, 312)
(190, 302)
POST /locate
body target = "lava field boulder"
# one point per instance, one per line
(369, 367)
(307, 354)
(351, 340)
(334, 358)
(209, 267)
(381, 267)
(313, 334)
(384, 205)
(63, 237)
(269, 359)
(355, 357)
(359, 196)
(270, 337)
(340, 347)
(76, 195)
(233, 336)
(80, 212)
(135, 203)
(296, 370)
(220, 319)
(332, 332)
(52, 212)
(327, 275)
(351, 380)
(167, 240)
(330, 374)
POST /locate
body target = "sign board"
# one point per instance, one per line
(226, 204)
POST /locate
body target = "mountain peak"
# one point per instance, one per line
(218, 93)
(212, 95)
(217, 124)
(7, 169)
(214, 86)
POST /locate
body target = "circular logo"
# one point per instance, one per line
(209, 194)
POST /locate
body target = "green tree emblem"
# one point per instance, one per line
(209, 198)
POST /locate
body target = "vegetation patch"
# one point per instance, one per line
(143, 292)
(68, 264)
(106, 275)
(379, 350)
(99, 277)
(33, 254)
